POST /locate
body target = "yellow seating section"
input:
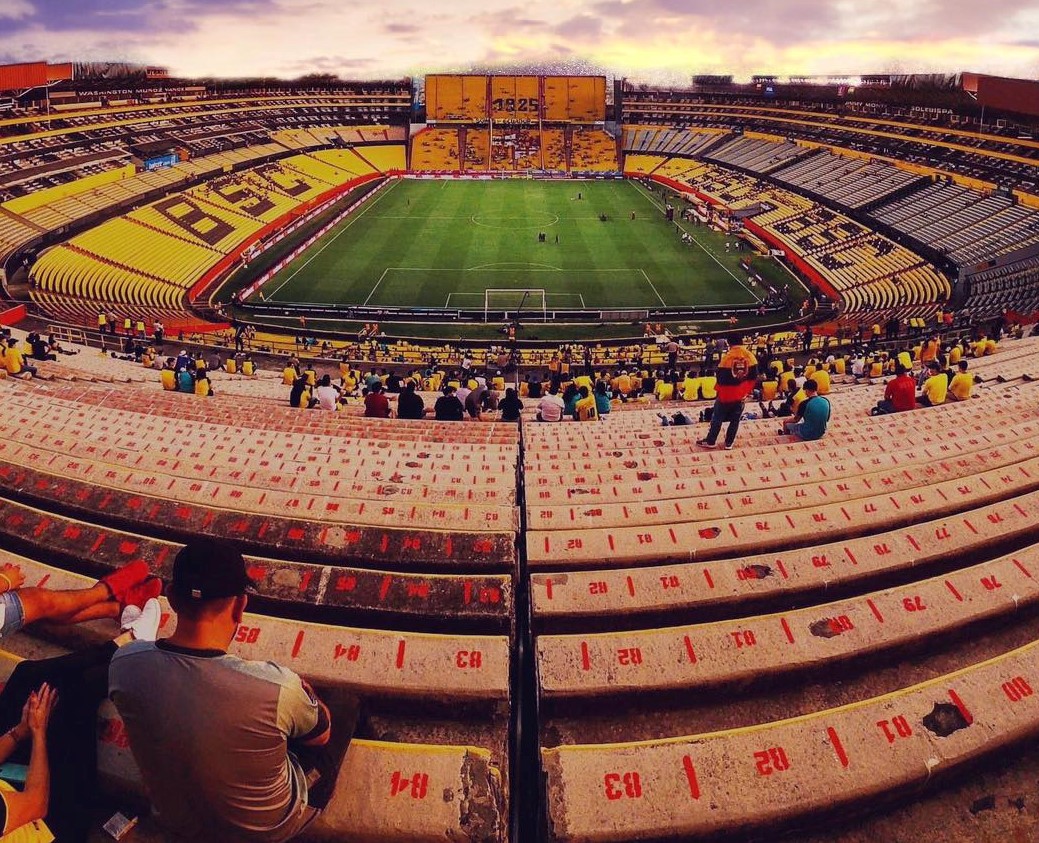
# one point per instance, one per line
(593, 150)
(435, 149)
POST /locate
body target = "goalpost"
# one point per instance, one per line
(514, 301)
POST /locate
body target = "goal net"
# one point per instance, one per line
(529, 303)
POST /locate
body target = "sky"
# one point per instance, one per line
(655, 41)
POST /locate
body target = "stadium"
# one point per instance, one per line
(557, 632)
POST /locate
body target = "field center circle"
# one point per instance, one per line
(514, 223)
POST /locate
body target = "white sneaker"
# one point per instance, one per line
(143, 623)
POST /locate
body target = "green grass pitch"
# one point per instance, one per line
(443, 243)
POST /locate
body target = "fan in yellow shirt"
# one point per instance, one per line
(935, 388)
(962, 383)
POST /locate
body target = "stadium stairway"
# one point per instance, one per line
(684, 643)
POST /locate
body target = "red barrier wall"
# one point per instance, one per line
(13, 315)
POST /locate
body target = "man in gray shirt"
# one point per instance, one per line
(216, 736)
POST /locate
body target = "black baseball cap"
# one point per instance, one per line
(209, 569)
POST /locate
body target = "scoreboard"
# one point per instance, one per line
(522, 99)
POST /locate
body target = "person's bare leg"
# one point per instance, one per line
(44, 604)
(101, 611)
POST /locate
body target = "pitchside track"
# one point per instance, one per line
(443, 243)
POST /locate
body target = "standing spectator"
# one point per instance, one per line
(899, 394)
(159, 332)
(812, 417)
(376, 405)
(410, 405)
(510, 406)
(737, 374)
(672, 354)
(474, 399)
(228, 749)
(448, 407)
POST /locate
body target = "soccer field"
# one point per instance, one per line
(443, 243)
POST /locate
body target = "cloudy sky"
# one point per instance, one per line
(651, 40)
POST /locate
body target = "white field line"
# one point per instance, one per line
(306, 263)
(653, 287)
(703, 248)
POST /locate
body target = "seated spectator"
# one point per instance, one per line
(551, 406)
(571, 395)
(203, 387)
(510, 406)
(248, 367)
(289, 375)
(14, 361)
(585, 408)
(962, 383)
(448, 407)
(602, 398)
(41, 350)
(185, 381)
(812, 416)
(935, 388)
(327, 395)
(410, 405)
(228, 749)
(80, 679)
(168, 377)
(299, 396)
(31, 804)
(899, 394)
(376, 405)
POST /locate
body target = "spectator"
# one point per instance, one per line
(510, 406)
(167, 376)
(299, 396)
(410, 405)
(228, 749)
(14, 361)
(962, 384)
(81, 679)
(935, 388)
(602, 398)
(737, 374)
(812, 417)
(376, 405)
(448, 407)
(474, 399)
(327, 395)
(551, 407)
(571, 395)
(185, 381)
(31, 804)
(899, 394)
(202, 386)
(585, 408)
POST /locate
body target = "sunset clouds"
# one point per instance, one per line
(652, 40)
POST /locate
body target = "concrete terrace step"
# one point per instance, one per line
(768, 579)
(381, 663)
(846, 482)
(430, 602)
(772, 774)
(292, 537)
(713, 538)
(258, 498)
(689, 658)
